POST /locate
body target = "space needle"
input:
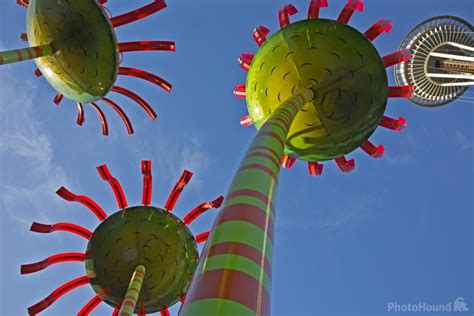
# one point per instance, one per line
(442, 67)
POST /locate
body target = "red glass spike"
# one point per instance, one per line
(58, 98)
(397, 57)
(372, 150)
(345, 165)
(245, 60)
(400, 91)
(202, 237)
(56, 294)
(103, 120)
(200, 209)
(38, 73)
(24, 37)
(314, 168)
(102, 1)
(121, 113)
(63, 257)
(117, 309)
(378, 28)
(138, 73)
(164, 312)
(314, 6)
(80, 114)
(138, 14)
(137, 99)
(285, 13)
(146, 45)
(393, 124)
(246, 120)
(142, 311)
(287, 162)
(147, 182)
(114, 184)
(94, 302)
(23, 3)
(260, 34)
(178, 188)
(349, 8)
(67, 227)
(84, 200)
(239, 91)
(182, 298)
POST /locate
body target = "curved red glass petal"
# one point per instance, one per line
(345, 165)
(372, 150)
(84, 200)
(121, 113)
(93, 303)
(287, 162)
(400, 91)
(147, 45)
(114, 184)
(117, 309)
(58, 98)
(393, 124)
(314, 6)
(138, 14)
(56, 294)
(138, 73)
(397, 57)
(80, 114)
(202, 237)
(246, 120)
(23, 3)
(137, 99)
(103, 120)
(62, 257)
(285, 13)
(378, 28)
(349, 8)
(164, 312)
(239, 91)
(67, 227)
(315, 168)
(200, 209)
(245, 60)
(147, 182)
(260, 34)
(178, 188)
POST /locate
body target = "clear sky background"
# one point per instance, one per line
(397, 229)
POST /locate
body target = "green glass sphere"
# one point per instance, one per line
(148, 236)
(84, 65)
(347, 73)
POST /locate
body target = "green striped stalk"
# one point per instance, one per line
(233, 276)
(16, 55)
(133, 292)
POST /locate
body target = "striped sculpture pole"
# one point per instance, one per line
(233, 276)
(133, 292)
(16, 55)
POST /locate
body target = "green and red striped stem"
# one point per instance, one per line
(16, 55)
(234, 275)
(133, 292)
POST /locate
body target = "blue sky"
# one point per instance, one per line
(397, 229)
